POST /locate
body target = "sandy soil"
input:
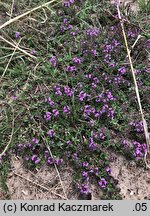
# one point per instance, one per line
(134, 181)
(44, 184)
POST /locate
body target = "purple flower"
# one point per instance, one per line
(66, 109)
(101, 136)
(125, 143)
(99, 97)
(34, 140)
(91, 170)
(109, 95)
(51, 103)
(70, 27)
(94, 85)
(68, 91)
(138, 154)
(72, 33)
(97, 171)
(136, 71)
(84, 189)
(76, 60)
(140, 149)
(105, 108)
(92, 32)
(66, 4)
(92, 144)
(58, 161)
(115, 42)
(112, 64)
(55, 112)
(17, 35)
(138, 126)
(71, 68)
(94, 52)
(111, 113)
(50, 160)
(75, 156)
(29, 145)
(108, 170)
(82, 95)
(91, 123)
(102, 183)
(63, 29)
(65, 21)
(96, 80)
(46, 153)
(68, 143)
(84, 174)
(20, 146)
(26, 157)
(87, 110)
(34, 157)
(57, 90)
(88, 76)
(51, 133)
(37, 161)
(14, 97)
(53, 61)
(48, 116)
(85, 164)
(33, 51)
(122, 70)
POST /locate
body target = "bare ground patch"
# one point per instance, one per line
(134, 181)
(44, 184)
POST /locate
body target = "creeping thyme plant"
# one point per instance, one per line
(85, 107)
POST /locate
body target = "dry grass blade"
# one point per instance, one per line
(39, 185)
(136, 88)
(11, 135)
(58, 174)
(16, 47)
(52, 157)
(25, 14)
(12, 7)
(10, 60)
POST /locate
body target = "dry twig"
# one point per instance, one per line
(25, 14)
(136, 88)
(9, 60)
(40, 186)
(11, 135)
(18, 48)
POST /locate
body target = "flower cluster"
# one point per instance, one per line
(137, 126)
(67, 3)
(105, 97)
(102, 183)
(51, 133)
(68, 91)
(140, 150)
(92, 32)
(85, 98)
(35, 159)
(77, 60)
(122, 70)
(53, 61)
(57, 90)
(71, 68)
